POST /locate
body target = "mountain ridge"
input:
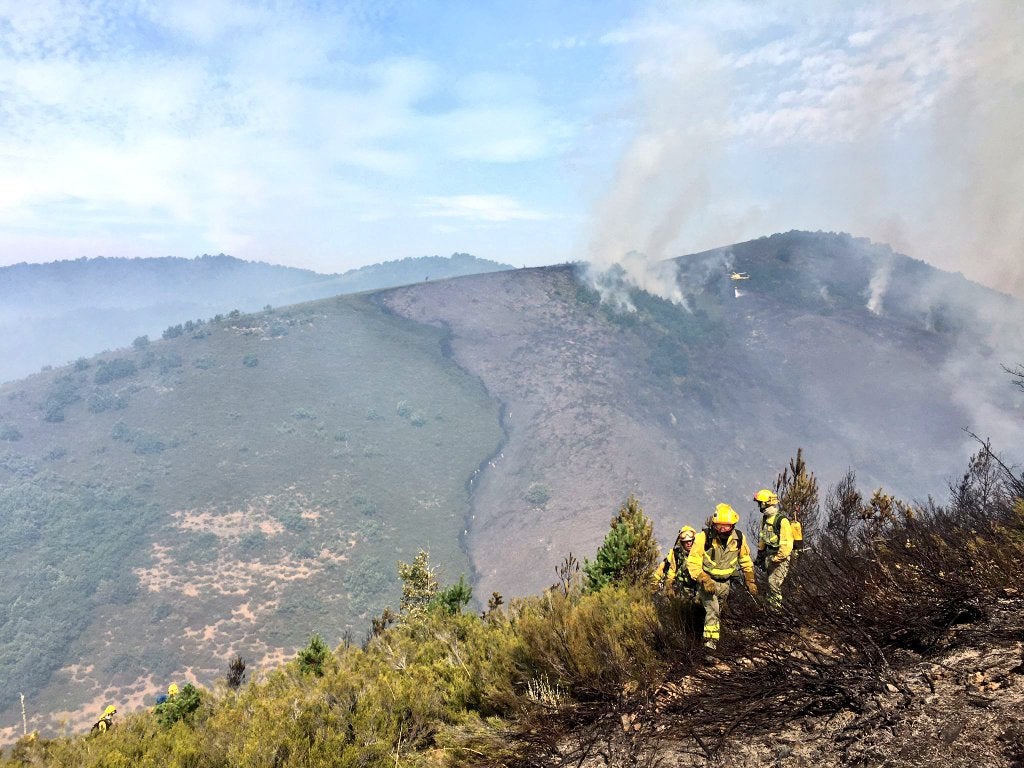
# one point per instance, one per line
(56, 312)
(498, 418)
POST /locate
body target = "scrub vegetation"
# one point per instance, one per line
(608, 673)
(171, 504)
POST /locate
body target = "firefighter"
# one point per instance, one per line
(164, 698)
(717, 553)
(672, 572)
(106, 722)
(774, 544)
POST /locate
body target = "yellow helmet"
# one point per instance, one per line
(686, 533)
(766, 497)
(111, 709)
(724, 515)
(172, 689)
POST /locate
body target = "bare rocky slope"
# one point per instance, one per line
(707, 406)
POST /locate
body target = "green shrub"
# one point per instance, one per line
(60, 394)
(169, 362)
(250, 361)
(537, 494)
(179, 707)
(253, 542)
(111, 370)
(10, 433)
(597, 643)
(101, 401)
(313, 657)
(629, 552)
(54, 414)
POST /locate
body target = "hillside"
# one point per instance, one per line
(687, 408)
(255, 478)
(229, 490)
(899, 643)
(54, 313)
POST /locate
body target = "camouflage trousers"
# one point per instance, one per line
(776, 575)
(714, 605)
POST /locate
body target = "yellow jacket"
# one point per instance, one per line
(669, 569)
(719, 562)
(778, 547)
(666, 569)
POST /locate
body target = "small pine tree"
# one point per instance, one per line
(493, 612)
(883, 511)
(236, 672)
(454, 598)
(629, 552)
(845, 515)
(798, 495)
(419, 583)
(313, 656)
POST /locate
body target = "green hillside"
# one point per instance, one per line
(258, 470)
(893, 628)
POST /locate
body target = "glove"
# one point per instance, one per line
(759, 560)
(751, 584)
(706, 582)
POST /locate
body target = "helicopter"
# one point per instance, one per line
(739, 276)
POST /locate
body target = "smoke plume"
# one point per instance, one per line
(977, 164)
(663, 176)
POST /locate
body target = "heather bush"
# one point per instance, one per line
(595, 644)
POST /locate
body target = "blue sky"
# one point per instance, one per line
(331, 135)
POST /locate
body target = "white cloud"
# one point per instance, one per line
(226, 114)
(253, 122)
(478, 208)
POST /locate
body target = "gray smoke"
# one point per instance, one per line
(977, 163)
(663, 177)
(908, 132)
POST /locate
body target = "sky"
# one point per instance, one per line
(331, 135)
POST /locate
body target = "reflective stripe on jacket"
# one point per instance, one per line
(778, 546)
(673, 569)
(717, 560)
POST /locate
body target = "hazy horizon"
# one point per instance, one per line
(330, 139)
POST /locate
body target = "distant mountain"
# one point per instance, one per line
(253, 479)
(53, 313)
